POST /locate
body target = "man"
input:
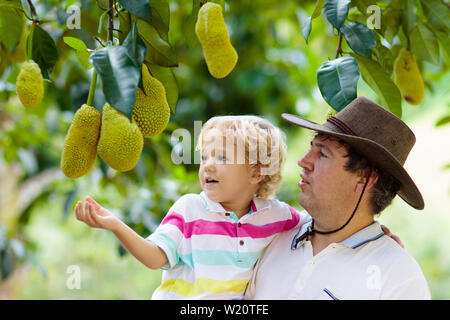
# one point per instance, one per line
(353, 171)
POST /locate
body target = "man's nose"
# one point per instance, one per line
(306, 162)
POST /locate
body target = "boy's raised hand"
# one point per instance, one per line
(94, 215)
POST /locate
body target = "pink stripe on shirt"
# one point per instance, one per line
(231, 229)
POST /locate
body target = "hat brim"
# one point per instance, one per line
(374, 152)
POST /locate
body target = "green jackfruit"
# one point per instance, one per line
(220, 55)
(151, 112)
(121, 141)
(80, 144)
(30, 84)
(407, 77)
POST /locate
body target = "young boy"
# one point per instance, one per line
(208, 243)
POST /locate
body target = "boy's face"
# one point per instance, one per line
(223, 179)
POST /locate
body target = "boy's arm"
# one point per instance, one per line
(96, 216)
(146, 252)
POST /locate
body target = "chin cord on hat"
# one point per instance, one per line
(310, 231)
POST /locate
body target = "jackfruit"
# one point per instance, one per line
(220, 55)
(407, 77)
(121, 141)
(80, 144)
(20, 52)
(30, 84)
(151, 112)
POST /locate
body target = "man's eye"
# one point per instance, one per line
(222, 158)
(322, 154)
(204, 158)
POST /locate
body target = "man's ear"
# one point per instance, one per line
(373, 178)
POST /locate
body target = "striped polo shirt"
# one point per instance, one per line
(210, 251)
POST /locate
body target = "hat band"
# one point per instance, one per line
(341, 125)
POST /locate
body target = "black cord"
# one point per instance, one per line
(351, 217)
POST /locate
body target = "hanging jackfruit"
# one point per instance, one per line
(30, 84)
(151, 111)
(220, 55)
(20, 51)
(80, 144)
(121, 141)
(407, 77)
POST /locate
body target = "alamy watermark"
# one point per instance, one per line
(73, 20)
(74, 279)
(257, 149)
(374, 20)
(374, 279)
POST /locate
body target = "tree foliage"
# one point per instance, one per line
(286, 49)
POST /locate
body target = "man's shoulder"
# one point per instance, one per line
(391, 252)
(401, 274)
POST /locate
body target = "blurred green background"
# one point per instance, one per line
(276, 73)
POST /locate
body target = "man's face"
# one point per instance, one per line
(325, 184)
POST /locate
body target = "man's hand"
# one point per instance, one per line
(94, 215)
(393, 236)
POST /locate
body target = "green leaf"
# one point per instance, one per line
(160, 17)
(139, 8)
(384, 58)
(81, 49)
(42, 49)
(155, 12)
(189, 25)
(11, 26)
(159, 51)
(362, 5)
(338, 80)
(409, 18)
(6, 264)
(167, 78)
(125, 25)
(318, 9)
(444, 42)
(437, 14)
(305, 23)
(424, 44)
(135, 46)
(392, 21)
(380, 82)
(336, 12)
(360, 38)
(120, 77)
(442, 121)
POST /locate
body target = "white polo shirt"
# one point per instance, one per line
(367, 265)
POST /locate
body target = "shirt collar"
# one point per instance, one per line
(368, 234)
(257, 204)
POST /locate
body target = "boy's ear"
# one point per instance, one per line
(255, 174)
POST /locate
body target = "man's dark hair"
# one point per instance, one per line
(386, 186)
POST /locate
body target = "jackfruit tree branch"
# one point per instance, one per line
(339, 48)
(110, 21)
(33, 11)
(90, 99)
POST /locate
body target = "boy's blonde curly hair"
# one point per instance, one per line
(264, 145)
